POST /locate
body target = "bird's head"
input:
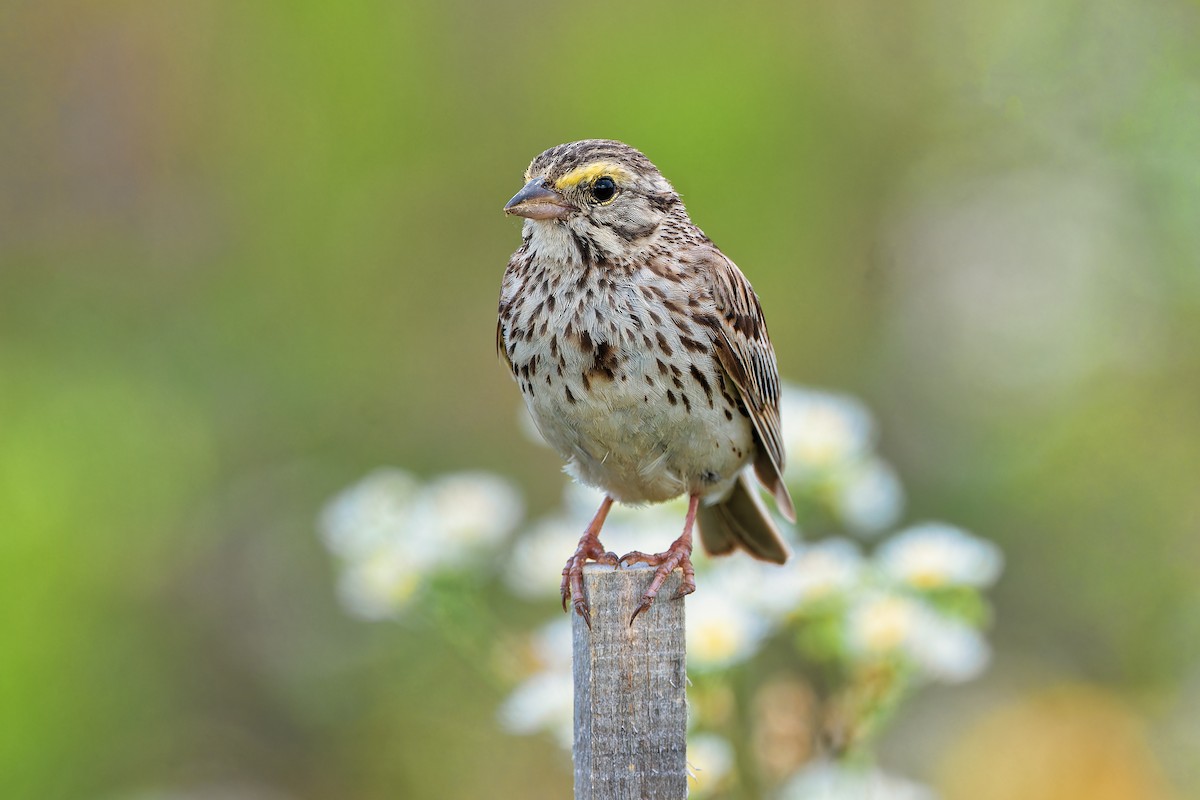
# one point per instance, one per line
(601, 191)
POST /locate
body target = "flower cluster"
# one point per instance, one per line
(873, 622)
(543, 700)
(832, 466)
(901, 607)
(392, 533)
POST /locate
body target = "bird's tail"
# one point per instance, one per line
(741, 520)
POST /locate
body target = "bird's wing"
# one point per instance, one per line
(744, 351)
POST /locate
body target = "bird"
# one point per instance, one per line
(643, 358)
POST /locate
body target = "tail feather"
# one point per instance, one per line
(771, 477)
(741, 520)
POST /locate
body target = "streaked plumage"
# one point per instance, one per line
(641, 352)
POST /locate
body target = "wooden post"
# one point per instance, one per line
(630, 690)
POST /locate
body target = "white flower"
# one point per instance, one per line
(379, 585)
(720, 630)
(650, 528)
(742, 581)
(774, 591)
(710, 758)
(880, 623)
(391, 533)
(438, 523)
(537, 558)
(934, 555)
(472, 509)
(829, 440)
(947, 649)
(825, 569)
(375, 510)
(822, 431)
(941, 647)
(553, 644)
(543, 702)
(827, 780)
(869, 498)
(378, 528)
(580, 502)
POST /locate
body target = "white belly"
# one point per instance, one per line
(627, 438)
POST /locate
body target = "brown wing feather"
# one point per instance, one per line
(745, 353)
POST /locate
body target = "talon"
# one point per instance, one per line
(677, 555)
(564, 588)
(589, 549)
(685, 589)
(642, 606)
(581, 608)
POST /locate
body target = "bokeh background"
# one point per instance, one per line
(251, 251)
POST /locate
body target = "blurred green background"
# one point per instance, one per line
(249, 251)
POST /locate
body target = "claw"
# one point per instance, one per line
(581, 608)
(591, 549)
(685, 588)
(642, 606)
(677, 555)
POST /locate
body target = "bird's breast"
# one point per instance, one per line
(621, 379)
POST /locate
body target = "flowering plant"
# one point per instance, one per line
(795, 669)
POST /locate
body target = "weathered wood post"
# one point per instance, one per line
(630, 690)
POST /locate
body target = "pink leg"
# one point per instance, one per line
(589, 548)
(677, 555)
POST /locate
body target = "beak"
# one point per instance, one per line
(536, 201)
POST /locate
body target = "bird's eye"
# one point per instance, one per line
(604, 189)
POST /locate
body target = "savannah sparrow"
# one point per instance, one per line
(643, 357)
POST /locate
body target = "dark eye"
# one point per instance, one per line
(604, 189)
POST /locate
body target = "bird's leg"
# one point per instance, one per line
(589, 548)
(679, 554)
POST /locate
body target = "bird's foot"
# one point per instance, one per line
(590, 549)
(679, 554)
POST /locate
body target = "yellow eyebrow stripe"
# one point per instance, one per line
(590, 172)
